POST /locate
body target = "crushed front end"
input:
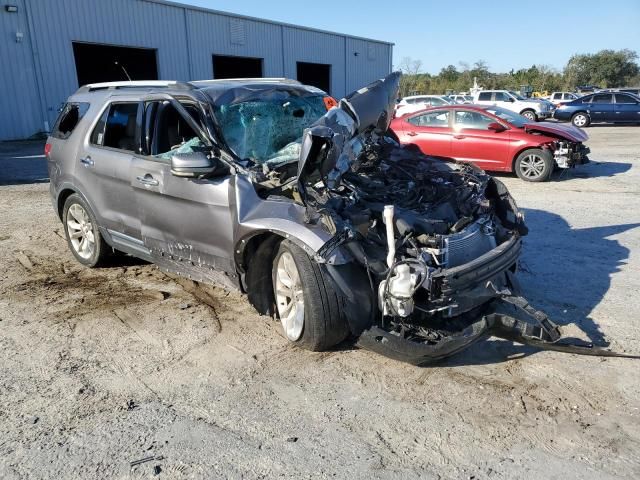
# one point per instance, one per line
(569, 154)
(431, 247)
(439, 242)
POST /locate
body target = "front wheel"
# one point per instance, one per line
(306, 301)
(535, 165)
(581, 120)
(529, 115)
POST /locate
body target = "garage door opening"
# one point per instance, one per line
(107, 63)
(225, 66)
(316, 74)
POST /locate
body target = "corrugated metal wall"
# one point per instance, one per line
(19, 117)
(39, 73)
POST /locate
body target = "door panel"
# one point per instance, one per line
(472, 142)
(103, 171)
(430, 132)
(601, 108)
(184, 220)
(109, 189)
(626, 108)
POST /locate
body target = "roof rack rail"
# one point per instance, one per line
(256, 79)
(136, 84)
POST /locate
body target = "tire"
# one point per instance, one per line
(82, 233)
(534, 165)
(580, 120)
(321, 324)
(529, 115)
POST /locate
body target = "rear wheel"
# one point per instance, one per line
(535, 165)
(581, 120)
(529, 115)
(308, 306)
(82, 233)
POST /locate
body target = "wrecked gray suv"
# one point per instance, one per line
(304, 203)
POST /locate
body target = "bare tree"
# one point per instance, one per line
(410, 69)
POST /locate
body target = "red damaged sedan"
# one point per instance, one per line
(494, 139)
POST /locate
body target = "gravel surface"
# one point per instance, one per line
(120, 372)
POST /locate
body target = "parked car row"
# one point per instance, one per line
(531, 108)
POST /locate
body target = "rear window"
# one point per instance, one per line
(69, 117)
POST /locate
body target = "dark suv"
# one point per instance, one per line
(305, 204)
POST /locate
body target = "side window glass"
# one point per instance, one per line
(117, 127)
(431, 119)
(484, 96)
(500, 97)
(173, 134)
(473, 120)
(621, 98)
(69, 117)
(587, 99)
(602, 99)
(557, 96)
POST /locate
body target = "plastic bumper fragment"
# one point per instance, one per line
(510, 318)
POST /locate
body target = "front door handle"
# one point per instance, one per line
(86, 161)
(459, 137)
(148, 180)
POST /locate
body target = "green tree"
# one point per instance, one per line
(607, 68)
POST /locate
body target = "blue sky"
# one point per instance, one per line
(506, 34)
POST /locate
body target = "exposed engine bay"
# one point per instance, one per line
(439, 242)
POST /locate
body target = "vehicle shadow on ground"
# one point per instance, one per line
(593, 169)
(565, 272)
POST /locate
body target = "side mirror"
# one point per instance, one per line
(195, 164)
(496, 127)
(510, 99)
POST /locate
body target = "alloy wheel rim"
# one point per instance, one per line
(80, 230)
(289, 296)
(580, 120)
(532, 166)
(529, 115)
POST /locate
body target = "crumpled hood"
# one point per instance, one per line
(332, 144)
(567, 132)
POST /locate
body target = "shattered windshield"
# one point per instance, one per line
(269, 131)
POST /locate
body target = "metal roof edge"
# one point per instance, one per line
(262, 20)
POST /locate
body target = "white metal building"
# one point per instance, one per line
(50, 47)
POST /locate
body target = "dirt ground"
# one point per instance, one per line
(101, 368)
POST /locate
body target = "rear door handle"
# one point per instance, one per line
(86, 161)
(148, 180)
(459, 137)
(412, 134)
